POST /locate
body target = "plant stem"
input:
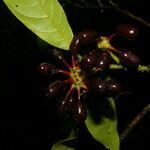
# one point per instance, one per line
(112, 5)
(129, 14)
(116, 67)
(101, 5)
(140, 68)
(144, 68)
(134, 122)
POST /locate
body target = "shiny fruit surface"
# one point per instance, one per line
(128, 31)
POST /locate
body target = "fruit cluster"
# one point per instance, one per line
(79, 73)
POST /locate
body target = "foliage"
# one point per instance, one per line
(45, 18)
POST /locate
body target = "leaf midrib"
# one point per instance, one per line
(61, 35)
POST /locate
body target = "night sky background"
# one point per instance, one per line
(26, 120)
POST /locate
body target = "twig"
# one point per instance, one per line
(134, 122)
(112, 5)
(86, 4)
(102, 5)
(129, 14)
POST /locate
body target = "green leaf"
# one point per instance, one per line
(45, 18)
(68, 144)
(103, 127)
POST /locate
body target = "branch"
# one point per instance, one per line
(111, 5)
(101, 5)
(134, 122)
(127, 13)
(86, 4)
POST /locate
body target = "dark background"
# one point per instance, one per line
(26, 121)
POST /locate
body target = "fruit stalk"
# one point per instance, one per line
(134, 122)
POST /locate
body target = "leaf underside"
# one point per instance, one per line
(104, 128)
(45, 18)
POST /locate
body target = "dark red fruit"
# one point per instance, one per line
(97, 86)
(79, 112)
(87, 36)
(70, 99)
(84, 37)
(55, 89)
(128, 59)
(45, 68)
(103, 62)
(113, 88)
(66, 104)
(70, 103)
(127, 31)
(75, 45)
(62, 107)
(88, 61)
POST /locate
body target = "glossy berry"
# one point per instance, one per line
(75, 45)
(70, 102)
(103, 62)
(128, 59)
(88, 61)
(84, 37)
(66, 103)
(97, 86)
(127, 31)
(62, 107)
(87, 36)
(45, 68)
(55, 89)
(79, 112)
(113, 88)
